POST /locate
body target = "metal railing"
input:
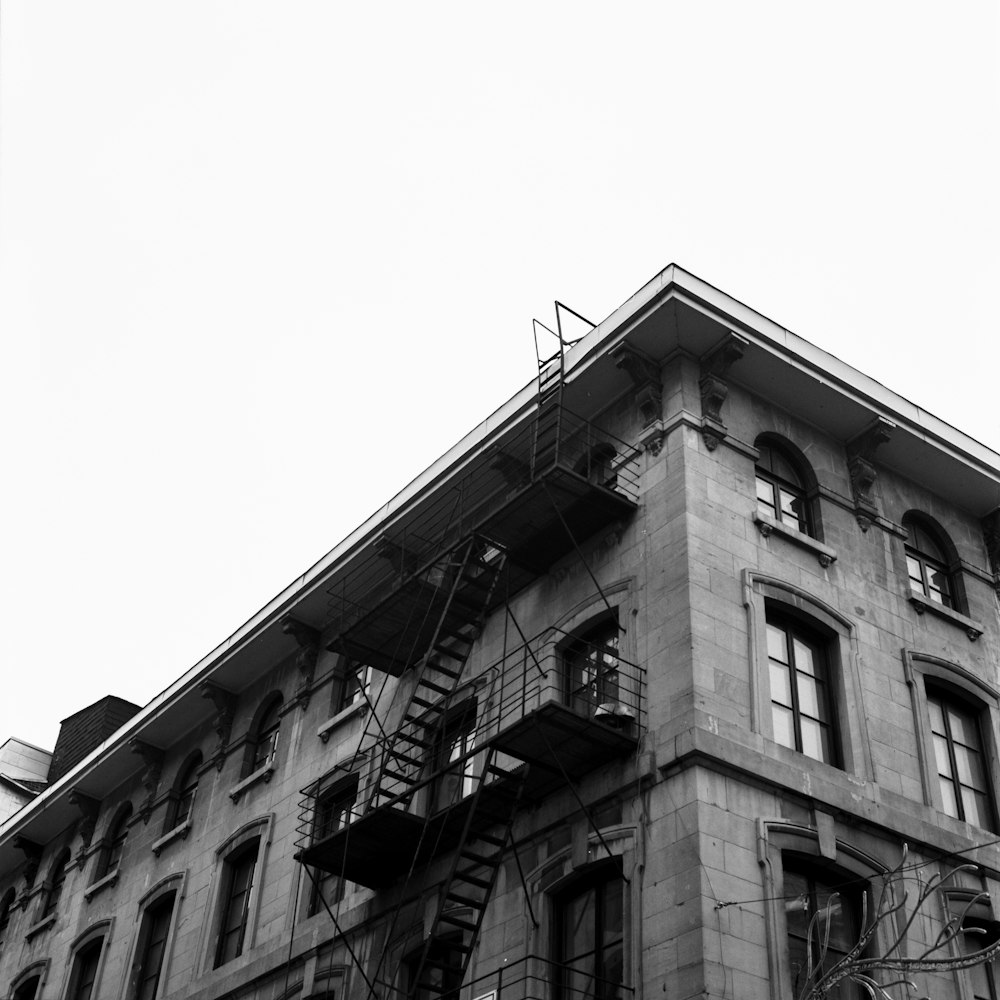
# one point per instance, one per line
(607, 690)
(488, 481)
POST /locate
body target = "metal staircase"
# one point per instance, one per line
(476, 571)
(469, 883)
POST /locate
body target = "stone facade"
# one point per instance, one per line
(718, 795)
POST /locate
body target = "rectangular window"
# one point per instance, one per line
(236, 891)
(801, 711)
(453, 756)
(441, 976)
(961, 767)
(333, 810)
(823, 917)
(357, 686)
(592, 669)
(151, 948)
(591, 938)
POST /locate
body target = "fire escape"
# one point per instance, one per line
(441, 773)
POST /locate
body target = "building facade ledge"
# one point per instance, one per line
(262, 774)
(359, 708)
(177, 833)
(768, 526)
(922, 605)
(109, 880)
(39, 926)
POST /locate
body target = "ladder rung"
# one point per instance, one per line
(457, 922)
(415, 740)
(453, 674)
(397, 755)
(399, 777)
(479, 859)
(490, 839)
(472, 879)
(434, 687)
(463, 900)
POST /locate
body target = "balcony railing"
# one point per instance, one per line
(597, 712)
(574, 449)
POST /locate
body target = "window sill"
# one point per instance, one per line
(921, 605)
(358, 708)
(42, 925)
(111, 879)
(768, 525)
(178, 832)
(261, 774)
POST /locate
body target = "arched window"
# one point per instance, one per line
(264, 734)
(184, 789)
(114, 842)
(238, 884)
(6, 909)
(592, 668)
(823, 916)
(590, 935)
(927, 562)
(27, 989)
(782, 485)
(801, 703)
(57, 878)
(151, 948)
(87, 963)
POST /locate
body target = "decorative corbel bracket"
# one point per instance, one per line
(307, 639)
(88, 808)
(645, 375)
(861, 466)
(991, 532)
(402, 559)
(225, 708)
(152, 760)
(32, 855)
(714, 388)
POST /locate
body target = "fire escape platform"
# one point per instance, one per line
(528, 524)
(556, 740)
(380, 847)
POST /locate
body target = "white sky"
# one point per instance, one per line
(261, 263)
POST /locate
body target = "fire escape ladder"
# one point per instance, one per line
(469, 883)
(477, 572)
(548, 425)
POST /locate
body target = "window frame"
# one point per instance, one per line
(804, 490)
(258, 830)
(55, 884)
(764, 594)
(264, 735)
(926, 672)
(797, 634)
(976, 910)
(593, 878)
(940, 561)
(615, 843)
(782, 843)
(458, 726)
(37, 971)
(580, 648)
(350, 693)
(185, 791)
(171, 887)
(109, 858)
(344, 791)
(97, 936)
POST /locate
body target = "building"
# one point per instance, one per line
(689, 635)
(24, 772)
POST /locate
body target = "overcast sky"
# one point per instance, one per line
(261, 263)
